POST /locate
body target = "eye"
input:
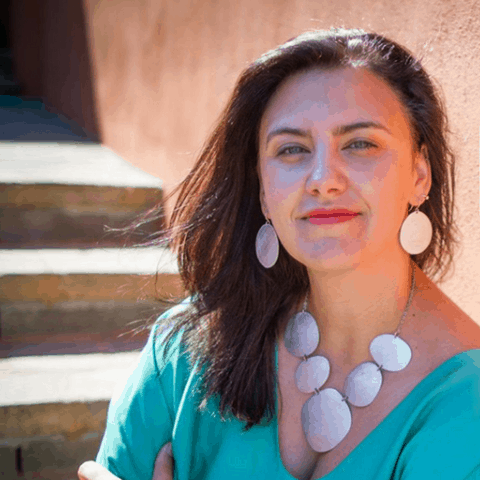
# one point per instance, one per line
(292, 150)
(360, 145)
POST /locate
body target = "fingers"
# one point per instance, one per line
(164, 464)
(94, 471)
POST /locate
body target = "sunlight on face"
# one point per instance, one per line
(337, 140)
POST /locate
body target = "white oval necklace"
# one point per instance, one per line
(326, 416)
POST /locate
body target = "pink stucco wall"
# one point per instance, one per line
(153, 75)
(163, 70)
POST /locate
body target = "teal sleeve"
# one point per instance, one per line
(140, 417)
(445, 443)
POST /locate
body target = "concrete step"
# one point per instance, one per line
(64, 195)
(68, 163)
(104, 261)
(34, 344)
(91, 291)
(22, 320)
(61, 309)
(46, 457)
(73, 216)
(53, 411)
(58, 379)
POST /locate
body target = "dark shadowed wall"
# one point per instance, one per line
(51, 58)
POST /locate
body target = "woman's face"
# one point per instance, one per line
(332, 140)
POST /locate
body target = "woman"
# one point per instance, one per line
(340, 358)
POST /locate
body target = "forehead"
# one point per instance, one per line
(328, 98)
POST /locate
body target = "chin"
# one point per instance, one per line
(325, 259)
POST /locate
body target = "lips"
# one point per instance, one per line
(322, 217)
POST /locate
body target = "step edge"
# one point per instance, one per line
(90, 261)
(104, 379)
(55, 162)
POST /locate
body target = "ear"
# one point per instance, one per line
(422, 175)
(263, 204)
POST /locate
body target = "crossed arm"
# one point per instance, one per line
(163, 468)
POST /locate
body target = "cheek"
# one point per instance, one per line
(382, 182)
(280, 185)
(372, 179)
(385, 192)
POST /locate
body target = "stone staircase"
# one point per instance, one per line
(74, 302)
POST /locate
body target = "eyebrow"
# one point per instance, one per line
(286, 131)
(337, 131)
(344, 129)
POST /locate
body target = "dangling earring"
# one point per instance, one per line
(416, 232)
(266, 245)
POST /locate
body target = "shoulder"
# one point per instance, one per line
(167, 344)
(166, 324)
(159, 365)
(442, 439)
(440, 329)
(167, 320)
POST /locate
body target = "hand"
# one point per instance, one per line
(163, 468)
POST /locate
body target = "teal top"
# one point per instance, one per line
(434, 433)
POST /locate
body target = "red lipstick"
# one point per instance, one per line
(326, 217)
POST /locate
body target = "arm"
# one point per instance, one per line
(141, 415)
(163, 468)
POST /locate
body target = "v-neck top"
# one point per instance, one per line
(434, 433)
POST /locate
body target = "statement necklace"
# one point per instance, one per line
(326, 415)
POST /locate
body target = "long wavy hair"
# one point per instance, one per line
(231, 325)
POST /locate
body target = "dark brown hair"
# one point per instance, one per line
(237, 302)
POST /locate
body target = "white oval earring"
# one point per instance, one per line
(266, 245)
(416, 232)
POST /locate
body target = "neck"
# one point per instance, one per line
(353, 307)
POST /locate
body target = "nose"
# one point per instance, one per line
(325, 177)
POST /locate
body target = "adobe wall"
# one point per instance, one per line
(164, 70)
